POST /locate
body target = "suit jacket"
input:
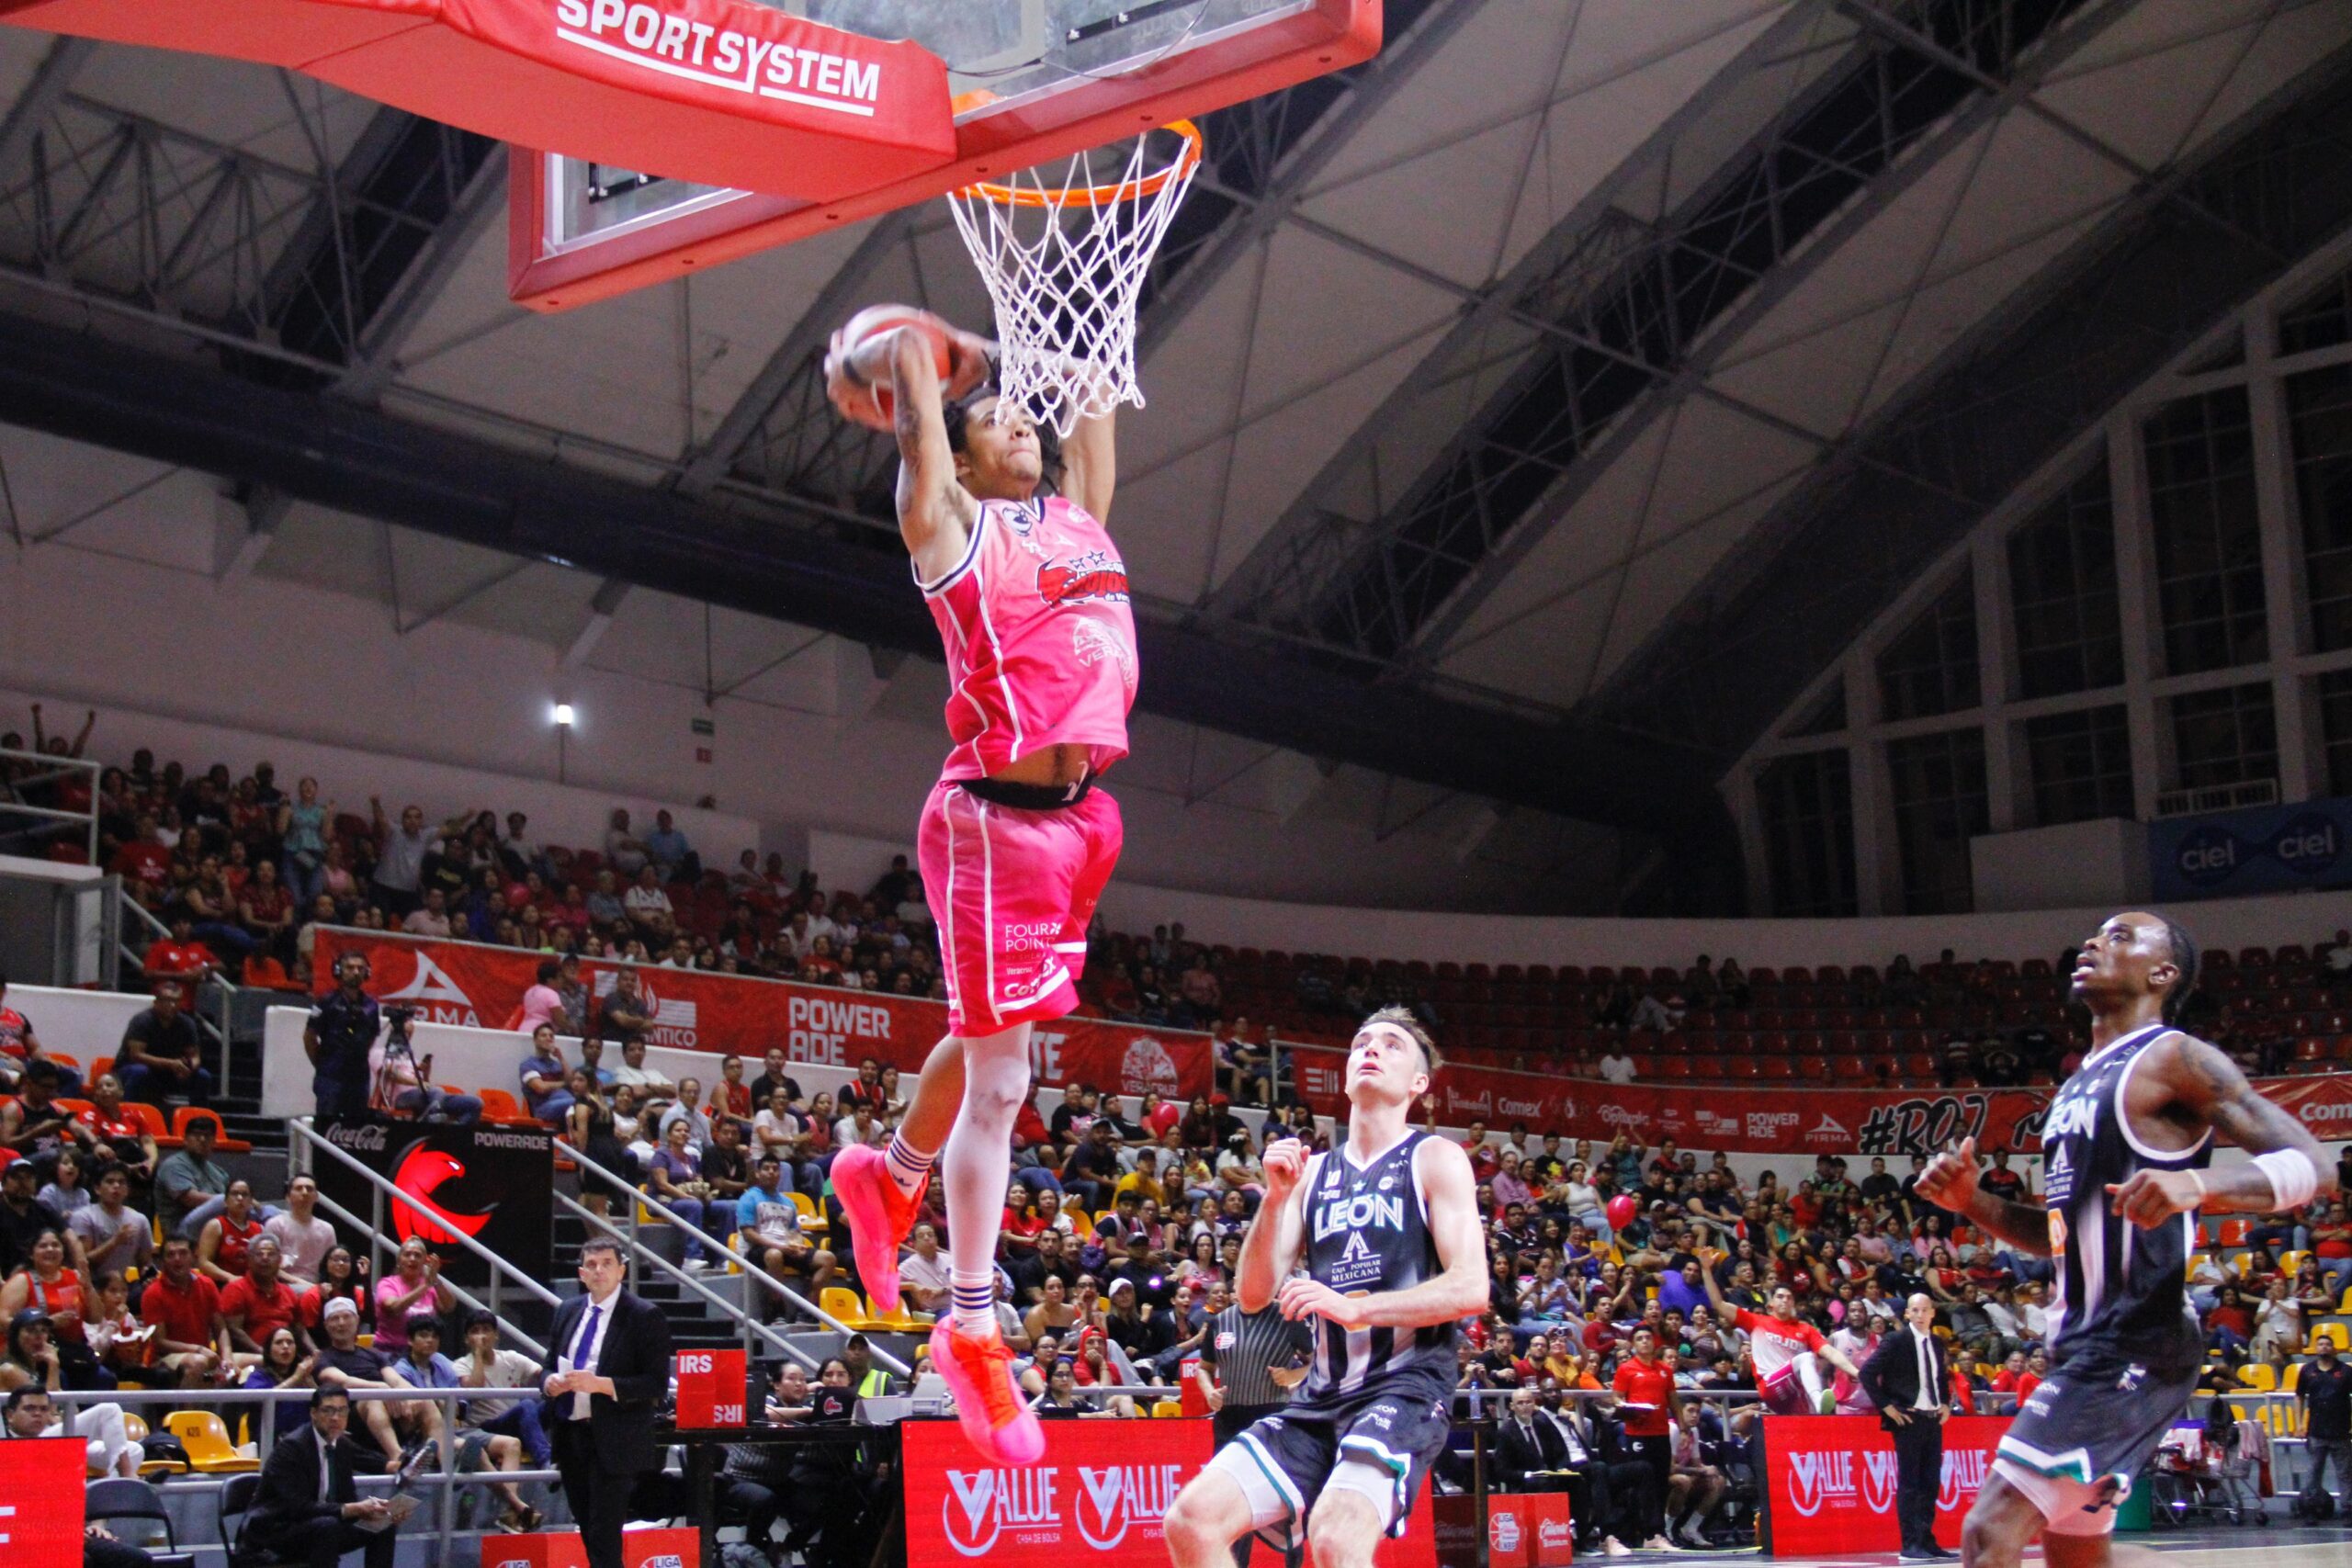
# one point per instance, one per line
(636, 1356)
(1518, 1455)
(1891, 1377)
(288, 1493)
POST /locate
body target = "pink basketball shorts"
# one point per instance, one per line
(1012, 891)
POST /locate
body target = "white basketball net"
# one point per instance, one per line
(1064, 263)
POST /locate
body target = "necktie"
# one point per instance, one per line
(586, 1342)
(327, 1471)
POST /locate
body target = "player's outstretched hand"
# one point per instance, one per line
(2151, 1197)
(1950, 1180)
(852, 398)
(1302, 1297)
(1285, 1162)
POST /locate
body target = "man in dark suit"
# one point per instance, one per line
(1906, 1379)
(307, 1508)
(611, 1355)
(1528, 1446)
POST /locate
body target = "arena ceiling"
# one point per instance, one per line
(1506, 392)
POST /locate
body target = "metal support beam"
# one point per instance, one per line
(2129, 298)
(1194, 271)
(358, 460)
(51, 79)
(793, 357)
(601, 611)
(481, 203)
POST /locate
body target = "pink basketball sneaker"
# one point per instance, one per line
(879, 1217)
(978, 1370)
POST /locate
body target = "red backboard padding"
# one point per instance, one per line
(721, 91)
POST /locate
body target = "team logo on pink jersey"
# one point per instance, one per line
(1097, 574)
(1093, 642)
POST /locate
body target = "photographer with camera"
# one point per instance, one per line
(403, 1085)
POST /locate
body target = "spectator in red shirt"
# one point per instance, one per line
(1646, 1385)
(259, 1303)
(146, 861)
(18, 1049)
(184, 1307)
(1485, 1159)
(180, 956)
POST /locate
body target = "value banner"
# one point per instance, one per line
(493, 1183)
(480, 987)
(1829, 1481)
(1100, 1494)
(1746, 1118)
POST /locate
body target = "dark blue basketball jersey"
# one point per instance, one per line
(1368, 1233)
(2119, 1289)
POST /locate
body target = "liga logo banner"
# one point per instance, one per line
(1829, 1481)
(480, 987)
(1097, 1496)
(40, 1503)
(1746, 1118)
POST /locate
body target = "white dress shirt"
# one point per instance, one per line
(1928, 1399)
(584, 1358)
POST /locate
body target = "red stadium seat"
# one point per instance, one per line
(1813, 1069)
(1675, 1069)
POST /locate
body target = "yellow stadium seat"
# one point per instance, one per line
(2290, 1261)
(206, 1442)
(2259, 1378)
(134, 1427)
(2294, 1374)
(902, 1321)
(1080, 1223)
(841, 1302)
(1168, 1408)
(2335, 1332)
(2197, 1260)
(812, 1217)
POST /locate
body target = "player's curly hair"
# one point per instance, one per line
(956, 415)
(1403, 1017)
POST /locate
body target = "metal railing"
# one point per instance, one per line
(50, 770)
(306, 1137)
(218, 990)
(755, 1277)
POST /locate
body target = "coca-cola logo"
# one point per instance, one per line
(365, 1140)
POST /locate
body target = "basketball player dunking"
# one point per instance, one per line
(1016, 842)
(1388, 1225)
(2124, 1149)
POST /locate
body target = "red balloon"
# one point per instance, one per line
(1620, 1210)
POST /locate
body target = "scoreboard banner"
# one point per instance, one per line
(476, 986)
(1829, 1481)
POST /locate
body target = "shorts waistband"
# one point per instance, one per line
(1028, 797)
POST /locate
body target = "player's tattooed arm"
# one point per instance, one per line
(2200, 1085)
(936, 511)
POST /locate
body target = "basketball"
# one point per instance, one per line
(871, 405)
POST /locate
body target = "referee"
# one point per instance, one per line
(1257, 1357)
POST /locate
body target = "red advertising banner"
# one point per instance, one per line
(1099, 1495)
(710, 1388)
(641, 1548)
(40, 1503)
(1752, 1120)
(1529, 1529)
(1830, 1484)
(480, 987)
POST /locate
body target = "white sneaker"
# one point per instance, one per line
(697, 1264)
(1691, 1535)
(1659, 1543)
(1611, 1547)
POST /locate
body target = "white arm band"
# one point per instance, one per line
(2293, 1177)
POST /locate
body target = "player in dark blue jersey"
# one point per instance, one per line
(2125, 1146)
(1386, 1228)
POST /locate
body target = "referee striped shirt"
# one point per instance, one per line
(1244, 1346)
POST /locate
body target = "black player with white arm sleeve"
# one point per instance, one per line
(2125, 1149)
(1387, 1226)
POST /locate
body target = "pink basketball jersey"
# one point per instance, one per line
(1040, 639)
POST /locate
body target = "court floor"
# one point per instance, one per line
(2223, 1546)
